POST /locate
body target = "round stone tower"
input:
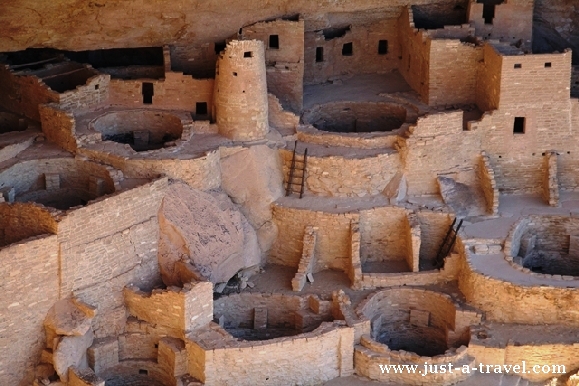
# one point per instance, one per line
(240, 97)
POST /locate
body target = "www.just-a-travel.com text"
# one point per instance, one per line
(449, 368)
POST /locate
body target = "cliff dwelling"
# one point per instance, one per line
(338, 193)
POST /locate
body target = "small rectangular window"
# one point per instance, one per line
(143, 371)
(382, 47)
(96, 86)
(518, 65)
(347, 49)
(519, 125)
(319, 54)
(201, 108)
(548, 65)
(273, 42)
(248, 54)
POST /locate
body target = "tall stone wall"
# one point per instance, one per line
(384, 234)
(488, 84)
(21, 221)
(415, 54)
(29, 288)
(512, 22)
(285, 62)
(241, 109)
(58, 125)
(107, 245)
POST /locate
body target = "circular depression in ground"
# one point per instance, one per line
(356, 117)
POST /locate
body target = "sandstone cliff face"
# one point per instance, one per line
(556, 26)
(206, 229)
(96, 24)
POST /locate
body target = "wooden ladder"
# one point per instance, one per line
(447, 244)
(297, 180)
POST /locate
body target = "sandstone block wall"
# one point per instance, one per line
(285, 63)
(108, 244)
(346, 177)
(488, 184)
(384, 234)
(93, 92)
(309, 134)
(310, 358)
(21, 221)
(58, 125)
(333, 237)
(175, 92)
(550, 179)
(415, 53)
(364, 37)
(179, 310)
(30, 287)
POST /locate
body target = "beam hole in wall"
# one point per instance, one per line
(382, 47)
(274, 42)
(519, 125)
(235, 74)
(147, 91)
(347, 49)
(518, 65)
(248, 54)
(319, 54)
(143, 372)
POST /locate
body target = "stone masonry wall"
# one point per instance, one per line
(487, 182)
(175, 92)
(93, 92)
(338, 176)
(285, 63)
(105, 246)
(415, 54)
(333, 237)
(384, 234)
(21, 221)
(59, 126)
(30, 287)
(23, 94)
(365, 58)
(513, 21)
(180, 310)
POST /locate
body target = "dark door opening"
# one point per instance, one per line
(382, 47)
(148, 93)
(319, 54)
(273, 42)
(488, 13)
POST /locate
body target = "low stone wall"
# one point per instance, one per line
(550, 179)
(338, 176)
(311, 358)
(529, 305)
(178, 309)
(20, 221)
(486, 176)
(307, 262)
(376, 140)
(369, 355)
(201, 173)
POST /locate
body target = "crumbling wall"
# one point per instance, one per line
(21, 221)
(93, 92)
(364, 35)
(512, 22)
(23, 94)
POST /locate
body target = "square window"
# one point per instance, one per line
(248, 54)
(274, 42)
(518, 65)
(382, 47)
(347, 49)
(519, 125)
(319, 54)
(201, 108)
